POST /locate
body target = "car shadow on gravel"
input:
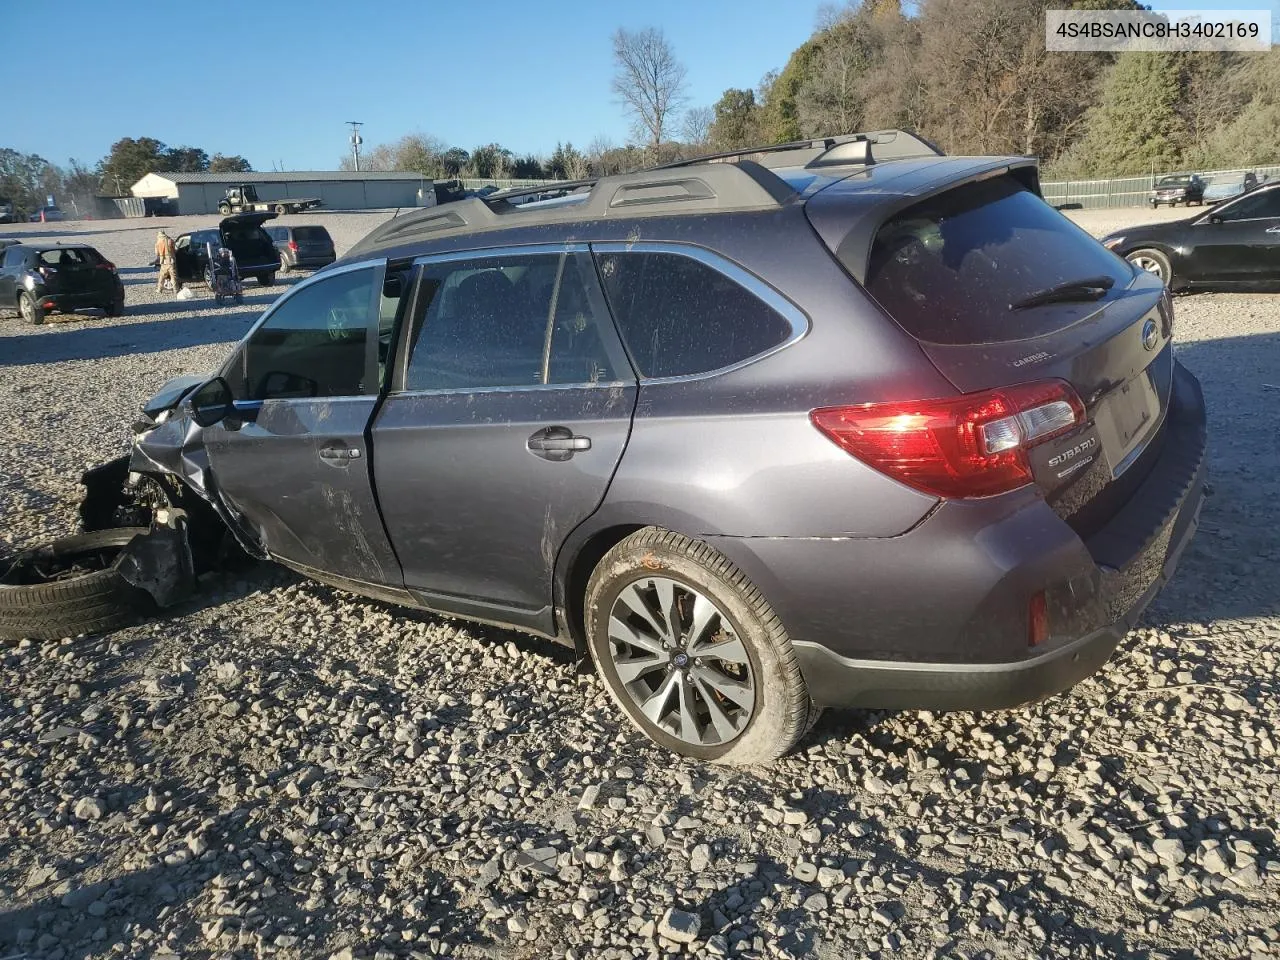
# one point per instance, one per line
(125, 339)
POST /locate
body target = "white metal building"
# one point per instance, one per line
(338, 189)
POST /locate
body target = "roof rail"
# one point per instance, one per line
(846, 148)
(655, 192)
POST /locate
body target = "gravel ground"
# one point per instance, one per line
(281, 769)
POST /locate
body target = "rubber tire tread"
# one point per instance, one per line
(95, 603)
(800, 711)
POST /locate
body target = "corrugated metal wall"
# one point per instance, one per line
(1127, 191)
(334, 194)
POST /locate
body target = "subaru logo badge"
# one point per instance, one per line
(1150, 335)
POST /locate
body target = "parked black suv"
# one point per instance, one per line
(844, 422)
(37, 279)
(1182, 188)
(307, 246)
(243, 235)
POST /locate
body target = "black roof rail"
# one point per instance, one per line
(654, 192)
(846, 148)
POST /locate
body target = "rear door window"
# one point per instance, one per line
(947, 270)
(680, 316)
(509, 321)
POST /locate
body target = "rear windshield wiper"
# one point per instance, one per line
(1090, 288)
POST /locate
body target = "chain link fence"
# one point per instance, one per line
(1131, 191)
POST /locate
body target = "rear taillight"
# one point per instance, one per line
(107, 265)
(293, 245)
(969, 446)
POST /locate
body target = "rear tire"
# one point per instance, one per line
(749, 656)
(281, 209)
(1154, 262)
(267, 279)
(224, 209)
(30, 310)
(41, 599)
(116, 307)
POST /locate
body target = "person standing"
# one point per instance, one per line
(167, 254)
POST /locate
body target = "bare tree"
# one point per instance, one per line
(649, 81)
(696, 129)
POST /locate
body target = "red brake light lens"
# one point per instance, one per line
(107, 265)
(293, 245)
(969, 446)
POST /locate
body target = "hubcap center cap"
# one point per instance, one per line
(680, 659)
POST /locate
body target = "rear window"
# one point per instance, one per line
(948, 269)
(311, 234)
(71, 257)
(679, 316)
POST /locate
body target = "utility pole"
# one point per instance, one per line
(356, 140)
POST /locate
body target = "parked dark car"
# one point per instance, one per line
(37, 279)
(307, 246)
(1183, 188)
(1229, 185)
(47, 215)
(1232, 245)
(849, 423)
(243, 234)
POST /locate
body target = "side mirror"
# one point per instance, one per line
(1214, 218)
(212, 403)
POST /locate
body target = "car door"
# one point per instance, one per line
(293, 463)
(507, 416)
(10, 273)
(1239, 241)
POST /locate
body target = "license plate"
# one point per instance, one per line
(1128, 415)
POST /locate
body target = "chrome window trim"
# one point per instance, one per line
(523, 388)
(529, 249)
(1215, 210)
(771, 297)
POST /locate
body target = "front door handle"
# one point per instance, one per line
(557, 443)
(339, 456)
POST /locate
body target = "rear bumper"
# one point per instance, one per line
(937, 618)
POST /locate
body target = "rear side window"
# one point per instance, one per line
(13, 256)
(948, 269)
(309, 235)
(680, 316)
(278, 233)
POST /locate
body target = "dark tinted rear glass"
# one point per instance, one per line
(948, 269)
(679, 316)
(311, 235)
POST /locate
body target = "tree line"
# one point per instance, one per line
(28, 179)
(971, 75)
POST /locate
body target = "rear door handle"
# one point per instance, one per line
(339, 456)
(557, 443)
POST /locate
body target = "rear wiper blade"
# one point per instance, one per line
(1089, 288)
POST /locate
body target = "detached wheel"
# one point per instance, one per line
(1154, 262)
(693, 653)
(29, 309)
(69, 587)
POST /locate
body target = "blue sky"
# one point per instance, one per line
(275, 82)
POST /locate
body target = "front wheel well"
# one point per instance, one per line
(580, 570)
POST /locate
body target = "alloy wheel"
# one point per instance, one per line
(681, 661)
(1150, 264)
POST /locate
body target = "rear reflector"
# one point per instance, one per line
(1037, 620)
(969, 446)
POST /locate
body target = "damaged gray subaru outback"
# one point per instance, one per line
(843, 422)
